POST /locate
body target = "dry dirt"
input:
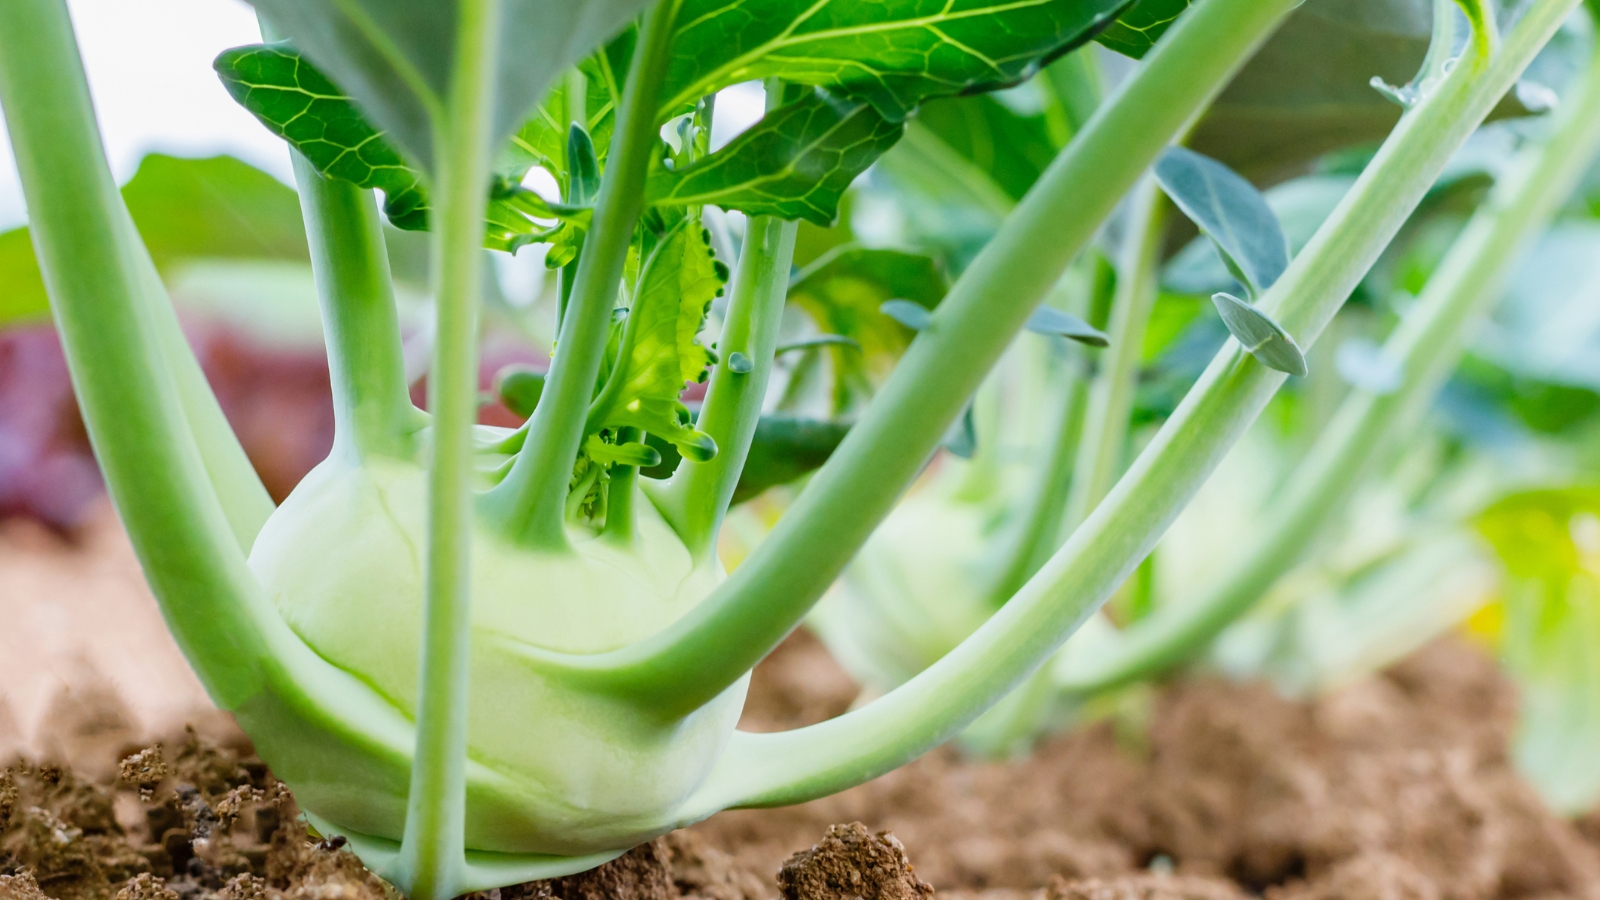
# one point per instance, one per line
(1395, 788)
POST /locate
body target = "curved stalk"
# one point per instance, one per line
(372, 411)
(1111, 395)
(696, 499)
(528, 505)
(683, 666)
(1426, 347)
(791, 767)
(433, 848)
(189, 512)
(1040, 533)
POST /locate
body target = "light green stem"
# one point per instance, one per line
(790, 767)
(529, 505)
(687, 664)
(1425, 348)
(432, 850)
(697, 497)
(1040, 533)
(189, 513)
(1105, 428)
(372, 409)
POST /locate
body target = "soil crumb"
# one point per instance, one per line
(1398, 787)
(852, 862)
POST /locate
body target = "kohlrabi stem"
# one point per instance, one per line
(1042, 521)
(697, 497)
(778, 769)
(129, 362)
(687, 664)
(1425, 347)
(528, 505)
(620, 496)
(1105, 429)
(433, 848)
(372, 411)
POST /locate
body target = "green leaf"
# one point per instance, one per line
(542, 140)
(962, 438)
(296, 102)
(218, 208)
(1140, 27)
(661, 351)
(1307, 91)
(1260, 336)
(912, 315)
(894, 54)
(1230, 211)
(1049, 320)
(795, 163)
(1549, 543)
(396, 57)
(843, 292)
(785, 448)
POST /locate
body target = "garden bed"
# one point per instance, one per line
(1395, 788)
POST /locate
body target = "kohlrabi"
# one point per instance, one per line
(489, 656)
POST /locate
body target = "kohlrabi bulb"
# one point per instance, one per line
(342, 561)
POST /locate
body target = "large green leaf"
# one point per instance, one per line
(894, 54)
(843, 292)
(1308, 90)
(660, 350)
(795, 163)
(296, 102)
(395, 57)
(1549, 542)
(185, 209)
(1140, 27)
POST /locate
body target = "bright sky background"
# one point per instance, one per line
(149, 64)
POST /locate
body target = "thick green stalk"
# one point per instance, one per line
(130, 367)
(778, 769)
(1111, 395)
(685, 665)
(432, 850)
(528, 505)
(1425, 347)
(697, 497)
(372, 409)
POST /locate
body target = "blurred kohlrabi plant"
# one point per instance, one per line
(486, 656)
(1341, 611)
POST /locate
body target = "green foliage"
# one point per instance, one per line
(1549, 543)
(660, 349)
(212, 208)
(795, 163)
(1260, 336)
(395, 57)
(843, 292)
(1138, 29)
(1231, 212)
(298, 103)
(893, 54)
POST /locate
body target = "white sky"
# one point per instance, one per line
(149, 64)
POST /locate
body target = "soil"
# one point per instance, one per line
(1398, 787)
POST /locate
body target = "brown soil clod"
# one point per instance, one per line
(144, 770)
(20, 887)
(146, 887)
(643, 873)
(852, 863)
